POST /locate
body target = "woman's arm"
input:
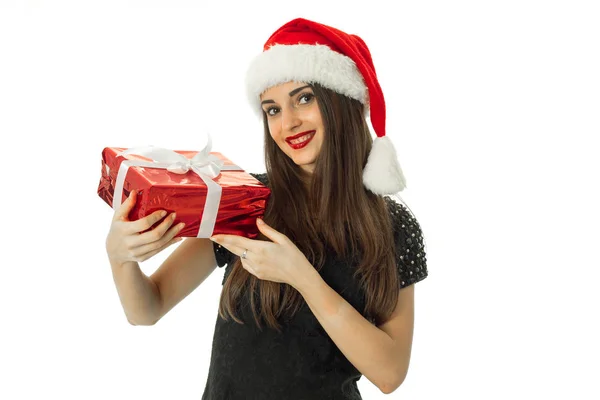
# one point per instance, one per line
(146, 299)
(378, 355)
(139, 295)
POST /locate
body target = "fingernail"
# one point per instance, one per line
(259, 221)
(163, 213)
(131, 193)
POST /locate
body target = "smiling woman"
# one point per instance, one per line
(325, 293)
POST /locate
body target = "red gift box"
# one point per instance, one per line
(234, 211)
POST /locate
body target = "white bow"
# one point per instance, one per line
(202, 163)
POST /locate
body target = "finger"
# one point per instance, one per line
(149, 244)
(236, 250)
(164, 229)
(145, 256)
(248, 267)
(240, 242)
(271, 233)
(122, 212)
(147, 222)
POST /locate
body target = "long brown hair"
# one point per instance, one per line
(330, 208)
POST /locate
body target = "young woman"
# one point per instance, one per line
(325, 294)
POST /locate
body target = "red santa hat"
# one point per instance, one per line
(306, 51)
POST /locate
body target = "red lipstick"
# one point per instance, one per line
(302, 144)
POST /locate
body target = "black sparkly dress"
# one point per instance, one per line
(301, 362)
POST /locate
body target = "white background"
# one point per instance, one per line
(493, 108)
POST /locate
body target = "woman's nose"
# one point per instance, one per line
(290, 120)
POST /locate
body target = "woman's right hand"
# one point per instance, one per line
(125, 242)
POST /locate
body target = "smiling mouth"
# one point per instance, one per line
(301, 140)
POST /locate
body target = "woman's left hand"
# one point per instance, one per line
(278, 261)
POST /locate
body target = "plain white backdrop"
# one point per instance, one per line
(493, 108)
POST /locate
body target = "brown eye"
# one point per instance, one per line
(271, 111)
(305, 98)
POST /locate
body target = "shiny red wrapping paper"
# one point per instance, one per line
(243, 198)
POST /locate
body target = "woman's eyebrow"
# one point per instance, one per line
(266, 102)
(293, 92)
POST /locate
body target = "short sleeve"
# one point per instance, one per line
(410, 244)
(222, 255)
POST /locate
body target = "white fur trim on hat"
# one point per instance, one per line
(382, 174)
(304, 63)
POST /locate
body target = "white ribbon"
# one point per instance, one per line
(204, 164)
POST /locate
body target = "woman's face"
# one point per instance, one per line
(295, 122)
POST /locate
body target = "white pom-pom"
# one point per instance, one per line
(382, 174)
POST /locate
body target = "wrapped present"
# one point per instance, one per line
(206, 190)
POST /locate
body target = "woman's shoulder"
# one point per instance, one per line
(411, 247)
(401, 215)
(404, 222)
(261, 177)
(395, 207)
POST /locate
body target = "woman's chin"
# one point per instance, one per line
(308, 166)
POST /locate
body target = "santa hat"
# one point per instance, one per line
(306, 51)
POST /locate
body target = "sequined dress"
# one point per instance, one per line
(302, 362)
